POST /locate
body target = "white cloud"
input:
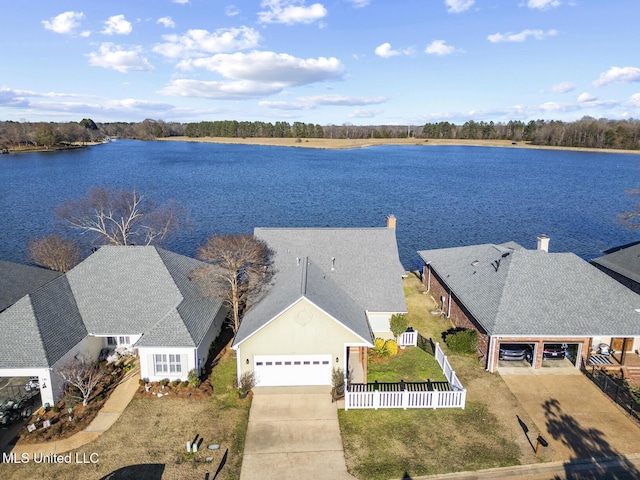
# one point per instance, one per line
(563, 87)
(362, 113)
(279, 105)
(85, 33)
(12, 98)
(586, 97)
(439, 47)
(64, 23)
(634, 100)
(181, 2)
(457, 6)
(359, 3)
(113, 56)
(219, 90)
(166, 22)
(117, 25)
(618, 75)
(231, 10)
(310, 103)
(269, 67)
(342, 100)
(385, 51)
(543, 4)
(290, 12)
(200, 42)
(522, 36)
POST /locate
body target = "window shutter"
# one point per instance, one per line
(184, 364)
(151, 368)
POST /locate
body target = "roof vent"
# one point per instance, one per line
(333, 263)
(543, 243)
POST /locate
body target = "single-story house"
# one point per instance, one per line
(333, 293)
(512, 295)
(623, 264)
(140, 298)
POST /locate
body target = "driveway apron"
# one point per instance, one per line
(293, 433)
(574, 416)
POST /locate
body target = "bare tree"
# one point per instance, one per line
(123, 217)
(54, 252)
(632, 219)
(84, 373)
(240, 265)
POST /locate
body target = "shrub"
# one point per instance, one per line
(175, 383)
(194, 378)
(142, 382)
(378, 348)
(247, 381)
(461, 340)
(391, 347)
(164, 382)
(398, 324)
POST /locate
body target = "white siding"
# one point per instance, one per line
(202, 351)
(380, 325)
(147, 365)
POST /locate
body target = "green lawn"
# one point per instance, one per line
(396, 443)
(411, 365)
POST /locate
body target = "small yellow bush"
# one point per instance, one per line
(391, 347)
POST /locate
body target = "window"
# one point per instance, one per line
(111, 341)
(174, 364)
(160, 361)
(124, 340)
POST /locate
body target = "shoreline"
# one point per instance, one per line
(342, 144)
(58, 148)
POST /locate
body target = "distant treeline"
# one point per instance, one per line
(587, 132)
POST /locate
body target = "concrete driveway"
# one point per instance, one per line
(293, 433)
(574, 416)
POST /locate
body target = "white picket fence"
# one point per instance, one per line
(403, 398)
(408, 339)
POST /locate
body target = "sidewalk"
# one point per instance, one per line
(109, 413)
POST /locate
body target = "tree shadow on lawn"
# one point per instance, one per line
(593, 457)
(143, 471)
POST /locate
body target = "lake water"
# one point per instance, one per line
(442, 196)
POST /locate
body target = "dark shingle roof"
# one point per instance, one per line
(624, 261)
(18, 280)
(514, 291)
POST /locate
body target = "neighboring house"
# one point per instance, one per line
(513, 295)
(334, 291)
(18, 280)
(622, 264)
(131, 297)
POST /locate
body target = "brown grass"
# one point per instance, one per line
(342, 143)
(149, 442)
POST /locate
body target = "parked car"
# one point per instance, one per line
(11, 410)
(515, 352)
(554, 351)
(32, 385)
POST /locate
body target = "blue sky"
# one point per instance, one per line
(328, 61)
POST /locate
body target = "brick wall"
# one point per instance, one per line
(454, 310)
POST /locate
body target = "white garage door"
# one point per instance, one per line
(285, 370)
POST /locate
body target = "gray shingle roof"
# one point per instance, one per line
(624, 261)
(531, 292)
(41, 328)
(346, 272)
(367, 266)
(306, 280)
(18, 280)
(116, 291)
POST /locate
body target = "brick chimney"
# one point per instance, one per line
(543, 243)
(391, 221)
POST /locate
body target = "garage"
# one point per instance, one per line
(516, 354)
(561, 354)
(292, 370)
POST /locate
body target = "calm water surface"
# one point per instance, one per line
(443, 196)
